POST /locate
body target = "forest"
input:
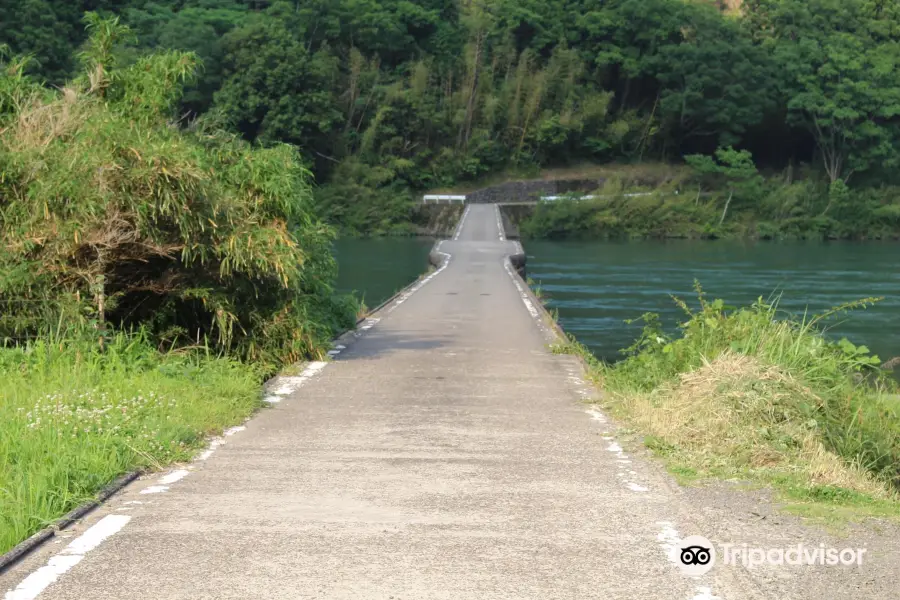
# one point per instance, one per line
(789, 107)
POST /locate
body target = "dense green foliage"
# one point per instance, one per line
(73, 418)
(110, 215)
(754, 392)
(390, 97)
(722, 196)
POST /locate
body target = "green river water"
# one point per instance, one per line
(596, 285)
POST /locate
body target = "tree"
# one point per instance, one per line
(732, 168)
(843, 81)
(276, 90)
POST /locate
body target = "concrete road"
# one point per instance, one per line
(444, 454)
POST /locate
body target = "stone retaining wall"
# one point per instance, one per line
(525, 191)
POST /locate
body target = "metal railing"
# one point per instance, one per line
(442, 199)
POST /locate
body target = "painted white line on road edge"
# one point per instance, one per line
(70, 556)
(174, 476)
(462, 220)
(596, 415)
(284, 386)
(418, 286)
(162, 486)
(499, 223)
(705, 593)
(522, 293)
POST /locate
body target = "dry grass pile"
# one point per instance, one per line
(735, 413)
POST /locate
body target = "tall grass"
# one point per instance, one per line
(73, 418)
(752, 391)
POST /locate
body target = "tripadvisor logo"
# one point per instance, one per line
(696, 555)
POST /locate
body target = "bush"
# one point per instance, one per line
(803, 389)
(112, 214)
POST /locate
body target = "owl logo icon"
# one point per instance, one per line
(695, 556)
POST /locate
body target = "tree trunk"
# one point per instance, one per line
(727, 204)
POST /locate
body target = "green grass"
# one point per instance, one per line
(72, 419)
(753, 395)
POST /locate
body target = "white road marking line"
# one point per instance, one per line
(70, 556)
(462, 221)
(597, 416)
(525, 299)
(213, 444)
(369, 324)
(408, 293)
(162, 485)
(233, 430)
(670, 540)
(499, 223)
(636, 488)
(174, 476)
(614, 447)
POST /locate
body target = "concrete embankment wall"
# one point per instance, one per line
(512, 215)
(529, 191)
(437, 220)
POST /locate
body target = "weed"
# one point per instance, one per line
(73, 418)
(758, 395)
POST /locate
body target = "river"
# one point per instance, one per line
(596, 286)
(375, 269)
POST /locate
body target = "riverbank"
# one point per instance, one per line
(745, 396)
(666, 215)
(652, 200)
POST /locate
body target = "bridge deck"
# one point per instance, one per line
(445, 454)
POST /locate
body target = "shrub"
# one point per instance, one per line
(832, 391)
(112, 214)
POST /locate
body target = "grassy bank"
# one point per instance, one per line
(72, 419)
(753, 395)
(630, 208)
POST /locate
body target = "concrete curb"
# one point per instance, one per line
(24, 548)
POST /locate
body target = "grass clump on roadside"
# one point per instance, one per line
(73, 418)
(743, 393)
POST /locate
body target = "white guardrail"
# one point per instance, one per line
(591, 197)
(442, 199)
(450, 199)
